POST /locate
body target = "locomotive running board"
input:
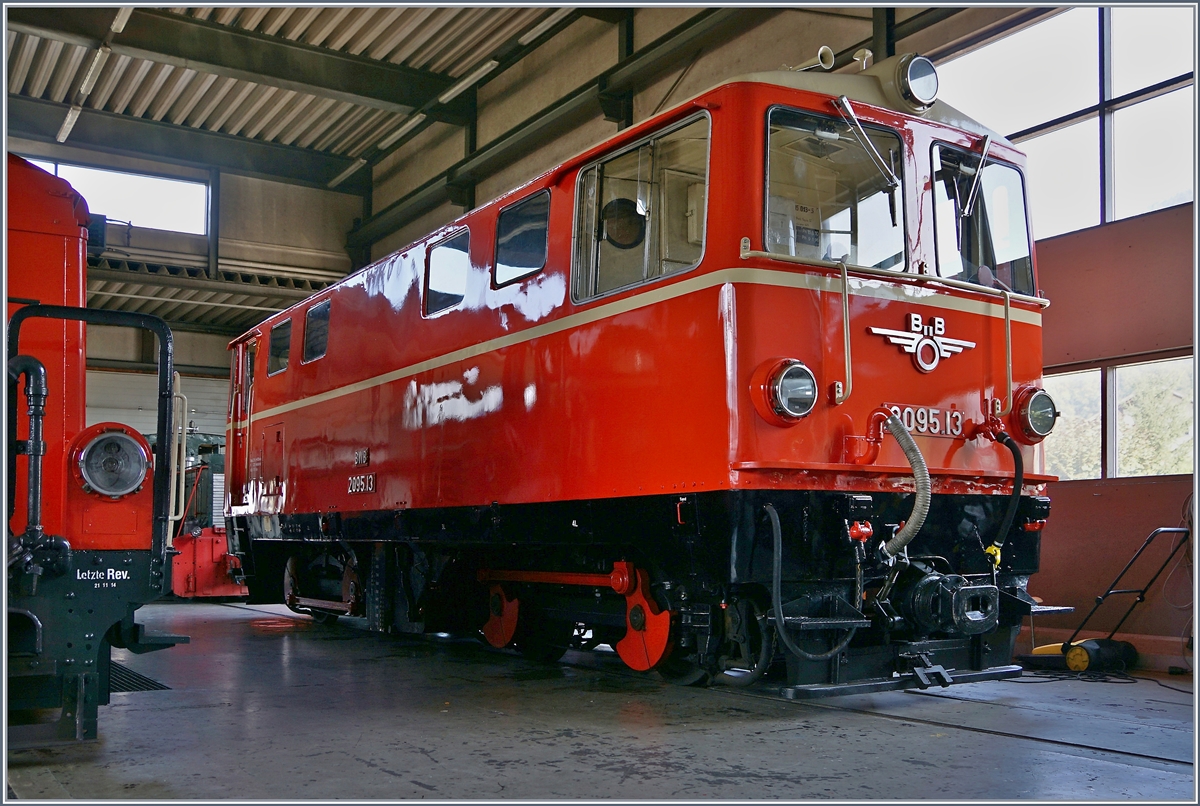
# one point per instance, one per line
(906, 681)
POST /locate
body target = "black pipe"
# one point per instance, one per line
(1018, 481)
(766, 650)
(166, 391)
(35, 395)
(777, 599)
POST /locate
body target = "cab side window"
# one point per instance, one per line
(641, 213)
(316, 331)
(521, 237)
(281, 342)
(446, 280)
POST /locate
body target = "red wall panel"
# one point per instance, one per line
(1117, 291)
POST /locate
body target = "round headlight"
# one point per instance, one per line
(794, 390)
(1038, 414)
(918, 81)
(113, 464)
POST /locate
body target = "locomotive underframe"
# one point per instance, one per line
(62, 625)
(709, 558)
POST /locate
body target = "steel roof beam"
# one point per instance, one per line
(568, 111)
(149, 367)
(222, 50)
(163, 280)
(35, 119)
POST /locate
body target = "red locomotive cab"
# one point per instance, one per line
(47, 239)
(765, 363)
(88, 507)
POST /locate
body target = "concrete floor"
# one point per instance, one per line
(265, 704)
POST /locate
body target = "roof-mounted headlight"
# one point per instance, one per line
(1037, 414)
(917, 80)
(113, 464)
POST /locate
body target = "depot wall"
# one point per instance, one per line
(1119, 292)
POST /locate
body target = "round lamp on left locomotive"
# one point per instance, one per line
(113, 464)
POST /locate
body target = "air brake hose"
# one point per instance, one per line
(921, 476)
(1011, 513)
(766, 649)
(777, 598)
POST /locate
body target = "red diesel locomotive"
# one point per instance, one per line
(88, 508)
(765, 366)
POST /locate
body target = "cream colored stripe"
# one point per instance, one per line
(877, 289)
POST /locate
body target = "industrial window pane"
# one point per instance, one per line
(826, 197)
(521, 236)
(316, 330)
(448, 266)
(642, 213)
(1155, 418)
(281, 340)
(1150, 45)
(991, 245)
(143, 201)
(1030, 77)
(1154, 150)
(1073, 447)
(1063, 170)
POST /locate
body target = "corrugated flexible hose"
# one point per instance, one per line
(921, 475)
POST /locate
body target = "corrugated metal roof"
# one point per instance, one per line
(233, 302)
(446, 41)
(449, 42)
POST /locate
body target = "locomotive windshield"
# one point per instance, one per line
(826, 197)
(988, 245)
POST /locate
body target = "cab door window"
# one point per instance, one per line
(281, 342)
(641, 213)
(446, 279)
(522, 231)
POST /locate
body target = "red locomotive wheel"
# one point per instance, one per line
(502, 618)
(647, 628)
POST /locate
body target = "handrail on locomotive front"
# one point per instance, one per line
(842, 392)
(166, 372)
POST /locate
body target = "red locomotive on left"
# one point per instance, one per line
(88, 508)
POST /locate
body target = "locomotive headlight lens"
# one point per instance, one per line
(795, 390)
(113, 464)
(1039, 414)
(918, 81)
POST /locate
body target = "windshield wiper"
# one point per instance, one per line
(842, 105)
(969, 206)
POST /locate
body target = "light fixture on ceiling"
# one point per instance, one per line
(412, 123)
(544, 26)
(469, 81)
(346, 174)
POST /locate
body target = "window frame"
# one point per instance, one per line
(1109, 408)
(902, 212)
(429, 268)
(612, 155)
(991, 160)
(209, 194)
(496, 239)
(304, 359)
(1106, 104)
(287, 356)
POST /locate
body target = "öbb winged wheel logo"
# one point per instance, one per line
(927, 343)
